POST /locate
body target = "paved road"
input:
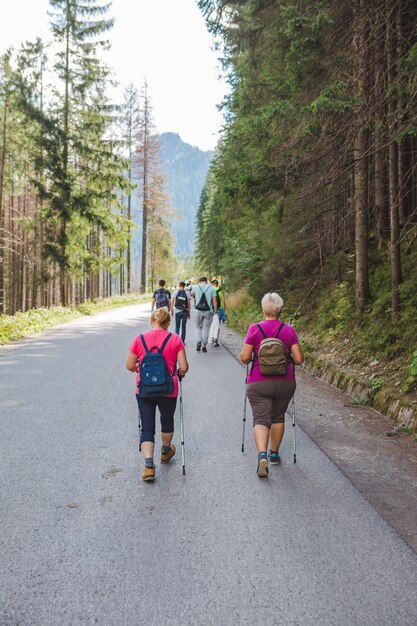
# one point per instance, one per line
(85, 541)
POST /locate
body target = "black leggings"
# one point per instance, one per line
(147, 410)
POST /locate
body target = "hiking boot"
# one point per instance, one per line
(148, 473)
(165, 456)
(204, 349)
(274, 458)
(198, 346)
(262, 470)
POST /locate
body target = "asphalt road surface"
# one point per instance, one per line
(85, 541)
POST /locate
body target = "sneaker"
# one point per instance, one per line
(262, 470)
(199, 346)
(274, 458)
(216, 344)
(165, 456)
(204, 349)
(148, 473)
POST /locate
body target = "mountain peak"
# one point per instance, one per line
(185, 168)
(173, 139)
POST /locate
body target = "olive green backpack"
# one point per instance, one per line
(272, 355)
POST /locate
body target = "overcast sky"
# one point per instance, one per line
(164, 40)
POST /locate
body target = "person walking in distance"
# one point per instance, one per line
(206, 306)
(161, 297)
(173, 352)
(181, 309)
(274, 350)
(221, 311)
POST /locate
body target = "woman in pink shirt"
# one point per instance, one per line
(270, 396)
(174, 352)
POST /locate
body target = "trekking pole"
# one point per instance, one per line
(244, 411)
(140, 446)
(293, 429)
(182, 428)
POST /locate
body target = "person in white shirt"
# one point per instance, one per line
(206, 306)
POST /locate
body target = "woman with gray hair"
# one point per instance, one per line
(270, 393)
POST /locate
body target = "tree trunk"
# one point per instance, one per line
(65, 199)
(129, 216)
(144, 213)
(2, 221)
(360, 167)
(394, 213)
(379, 130)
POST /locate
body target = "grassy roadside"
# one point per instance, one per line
(13, 327)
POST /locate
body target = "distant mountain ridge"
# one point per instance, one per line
(185, 168)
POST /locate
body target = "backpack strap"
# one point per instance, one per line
(164, 343)
(255, 355)
(144, 344)
(161, 349)
(279, 330)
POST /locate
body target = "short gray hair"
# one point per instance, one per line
(272, 304)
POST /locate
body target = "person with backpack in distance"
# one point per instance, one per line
(273, 349)
(153, 356)
(181, 308)
(161, 297)
(221, 300)
(206, 306)
(221, 312)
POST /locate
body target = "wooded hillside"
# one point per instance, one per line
(314, 189)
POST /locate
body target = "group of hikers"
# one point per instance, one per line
(210, 307)
(271, 350)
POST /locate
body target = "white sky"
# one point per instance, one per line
(164, 40)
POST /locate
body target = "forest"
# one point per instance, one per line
(313, 191)
(69, 157)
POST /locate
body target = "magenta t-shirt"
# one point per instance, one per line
(156, 338)
(254, 337)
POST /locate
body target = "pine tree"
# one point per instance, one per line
(4, 110)
(75, 26)
(130, 127)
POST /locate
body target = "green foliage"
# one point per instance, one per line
(412, 373)
(376, 385)
(336, 309)
(363, 402)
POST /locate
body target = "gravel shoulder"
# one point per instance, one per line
(383, 469)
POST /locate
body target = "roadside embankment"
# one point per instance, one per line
(388, 401)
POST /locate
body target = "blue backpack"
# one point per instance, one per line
(155, 379)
